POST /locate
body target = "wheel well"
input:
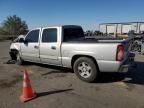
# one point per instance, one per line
(14, 50)
(74, 58)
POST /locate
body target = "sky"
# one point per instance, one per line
(87, 13)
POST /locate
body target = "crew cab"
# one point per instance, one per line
(67, 46)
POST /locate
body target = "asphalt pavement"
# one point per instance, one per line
(58, 87)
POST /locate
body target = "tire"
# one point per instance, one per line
(20, 61)
(85, 69)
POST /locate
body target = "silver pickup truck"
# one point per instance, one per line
(66, 46)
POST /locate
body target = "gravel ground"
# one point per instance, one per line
(59, 87)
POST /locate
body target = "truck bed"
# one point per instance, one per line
(97, 40)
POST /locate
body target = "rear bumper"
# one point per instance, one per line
(124, 68)
(116, 66)
(127, 63)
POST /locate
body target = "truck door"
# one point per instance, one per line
(30, 48)
(50, 46)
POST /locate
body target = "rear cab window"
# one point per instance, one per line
(72, 33)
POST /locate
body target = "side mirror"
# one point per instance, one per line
(21, 40)
(25, 41)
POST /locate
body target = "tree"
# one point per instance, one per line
(2, 32)
(13, 25)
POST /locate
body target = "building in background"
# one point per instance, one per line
(121, 29)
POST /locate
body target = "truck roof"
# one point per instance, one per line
(63, 26)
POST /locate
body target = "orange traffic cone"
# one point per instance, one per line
(28, 93)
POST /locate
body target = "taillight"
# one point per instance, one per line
(120, 52)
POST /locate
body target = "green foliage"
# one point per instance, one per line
(13, 25)
(2, 32)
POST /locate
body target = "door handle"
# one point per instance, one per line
(36, 47)
(53, 47)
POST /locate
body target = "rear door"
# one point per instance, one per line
(50, 46)
(30, 49)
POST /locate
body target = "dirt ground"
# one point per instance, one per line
(59, 87)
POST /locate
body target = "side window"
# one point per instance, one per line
(72, 33)
(49, 35)
(33, 36)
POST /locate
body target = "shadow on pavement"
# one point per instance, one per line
(54, 72)
(133, 76)
(57, 68)
(110, 77)
(136, 76)
(52, 92)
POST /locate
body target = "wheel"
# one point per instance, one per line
(20, 61)
(85, 69)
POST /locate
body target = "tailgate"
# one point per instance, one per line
(127, 45)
